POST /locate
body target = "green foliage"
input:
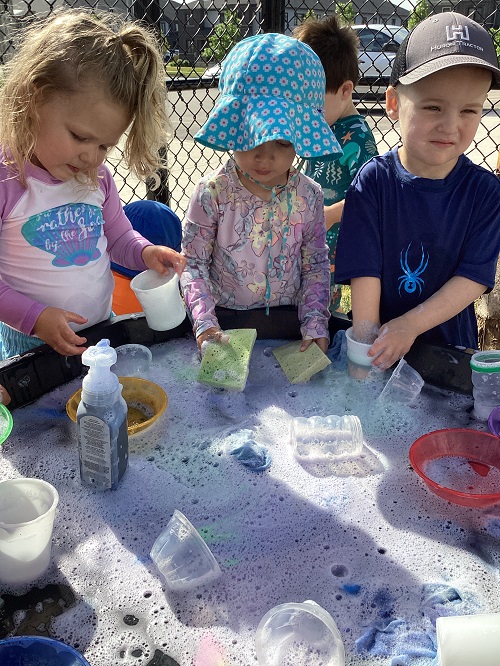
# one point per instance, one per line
(346, 12)
(224, 36)
(310, 14)
(421, 11)
(495, 34)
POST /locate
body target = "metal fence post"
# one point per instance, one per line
(157, 186)
(273, 15)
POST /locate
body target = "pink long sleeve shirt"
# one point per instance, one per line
(56, 239)
(229, 236)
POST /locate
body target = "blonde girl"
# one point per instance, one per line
(76, 84)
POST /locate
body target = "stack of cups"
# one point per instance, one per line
(485, 368)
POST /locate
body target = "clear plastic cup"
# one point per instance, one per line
(27, 511)
(160, 298)
(132, 361)
(299, 633)
(182, 557)
(467, 640)
(404, 384)
(326, 438)
(485, 368)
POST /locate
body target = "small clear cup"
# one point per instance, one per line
(132, 361)
(299, 633)
(404, 384)
(182, 557)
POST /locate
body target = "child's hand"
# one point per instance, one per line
(321, 342)
(52, 327)
(394, 339)
(5, 397)
(213, 334)
(160, 258)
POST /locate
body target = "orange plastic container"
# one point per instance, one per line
(124, 299)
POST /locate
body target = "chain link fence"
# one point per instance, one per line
(196, 34)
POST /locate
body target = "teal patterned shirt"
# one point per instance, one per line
(335, 176)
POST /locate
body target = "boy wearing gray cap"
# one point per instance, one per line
(420, 234)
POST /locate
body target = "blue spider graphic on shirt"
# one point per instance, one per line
(411, 279)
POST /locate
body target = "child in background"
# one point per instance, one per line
(337, 46)
(74, 86)
(420, 233)
(254, 235)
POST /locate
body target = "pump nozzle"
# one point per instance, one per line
(100, 379)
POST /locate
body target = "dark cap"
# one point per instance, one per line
(442, 41)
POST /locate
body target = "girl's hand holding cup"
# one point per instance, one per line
(161, 258)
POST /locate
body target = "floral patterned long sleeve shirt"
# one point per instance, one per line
(243, 252)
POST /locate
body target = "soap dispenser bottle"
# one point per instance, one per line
(101, 420)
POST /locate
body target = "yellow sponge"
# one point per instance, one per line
(225, 364)
(300, 366)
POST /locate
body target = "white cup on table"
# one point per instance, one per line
(469, 640)
(27, 511)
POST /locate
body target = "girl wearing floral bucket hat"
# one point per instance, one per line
(254, 235)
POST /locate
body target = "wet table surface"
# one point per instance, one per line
(366, 539)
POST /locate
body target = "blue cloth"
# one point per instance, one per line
(414, 234)
(385, 638)
(156, 222)
(271, 87)
(252, 455)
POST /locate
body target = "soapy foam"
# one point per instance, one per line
(369, 542)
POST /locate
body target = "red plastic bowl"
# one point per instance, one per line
(480, 449)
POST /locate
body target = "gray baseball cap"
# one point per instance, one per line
(442, 41)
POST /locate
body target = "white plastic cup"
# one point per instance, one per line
(357, 352)
(27, 511)
(469, 640)
(404, 384)
(326, 438)
(160, 298)
(182, 557)
(299, 633)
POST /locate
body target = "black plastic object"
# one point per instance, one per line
(37, 372)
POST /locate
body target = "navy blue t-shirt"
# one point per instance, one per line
(416, 233)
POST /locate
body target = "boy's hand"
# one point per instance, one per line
(161, 258)
(321, 342)
(394, 339)
(52, 327)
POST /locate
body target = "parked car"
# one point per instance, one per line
(378, 46)
(212, 73)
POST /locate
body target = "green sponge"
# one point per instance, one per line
(300, 366)
(225, 364)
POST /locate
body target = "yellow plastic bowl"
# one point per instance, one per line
(146, 401)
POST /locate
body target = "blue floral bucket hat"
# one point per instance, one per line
(271, 87)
